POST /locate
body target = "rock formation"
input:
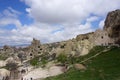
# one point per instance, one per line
(112, 25)
(4, 74)
(34, 48)
(101, 37)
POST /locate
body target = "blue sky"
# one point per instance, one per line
(51, 20)
(18, 6)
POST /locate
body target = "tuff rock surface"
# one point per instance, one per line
(112, 25)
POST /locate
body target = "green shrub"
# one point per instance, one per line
(37, 62)
(34, 61)
(62, 58)
(3, 57)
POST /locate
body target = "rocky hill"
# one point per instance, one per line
(112, 25)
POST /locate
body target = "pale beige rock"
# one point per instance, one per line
(2, 63)
(10, 60)
(101, 37)
(4, 72)
(43, 73)
(79, 66)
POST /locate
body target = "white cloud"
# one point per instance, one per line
(62, 11)
(101, 24)
(92, 18)
(10, 12)
(10, 16)
(27, 32)
(54, 20)
(6, 21)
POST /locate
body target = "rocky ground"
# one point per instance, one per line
(40, 73)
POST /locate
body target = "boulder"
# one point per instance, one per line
(10, 60)
(79, 67)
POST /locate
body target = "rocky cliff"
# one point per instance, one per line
(112, 25)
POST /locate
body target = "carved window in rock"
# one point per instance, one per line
(31, 54)
(41, 49)
(39, 52)
(23, 71)
(115, 31)
(38, 46)
(63, 46)
(86, 37)
(82, 39)
(101, 37)
(109, 35)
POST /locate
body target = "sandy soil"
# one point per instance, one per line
(43, 73)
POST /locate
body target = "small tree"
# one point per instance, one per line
(62, 58)
(21, 56)
(11, 66)
(34, 61)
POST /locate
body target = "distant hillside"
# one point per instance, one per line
(22, 45)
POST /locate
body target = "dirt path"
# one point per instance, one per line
(94, 55)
